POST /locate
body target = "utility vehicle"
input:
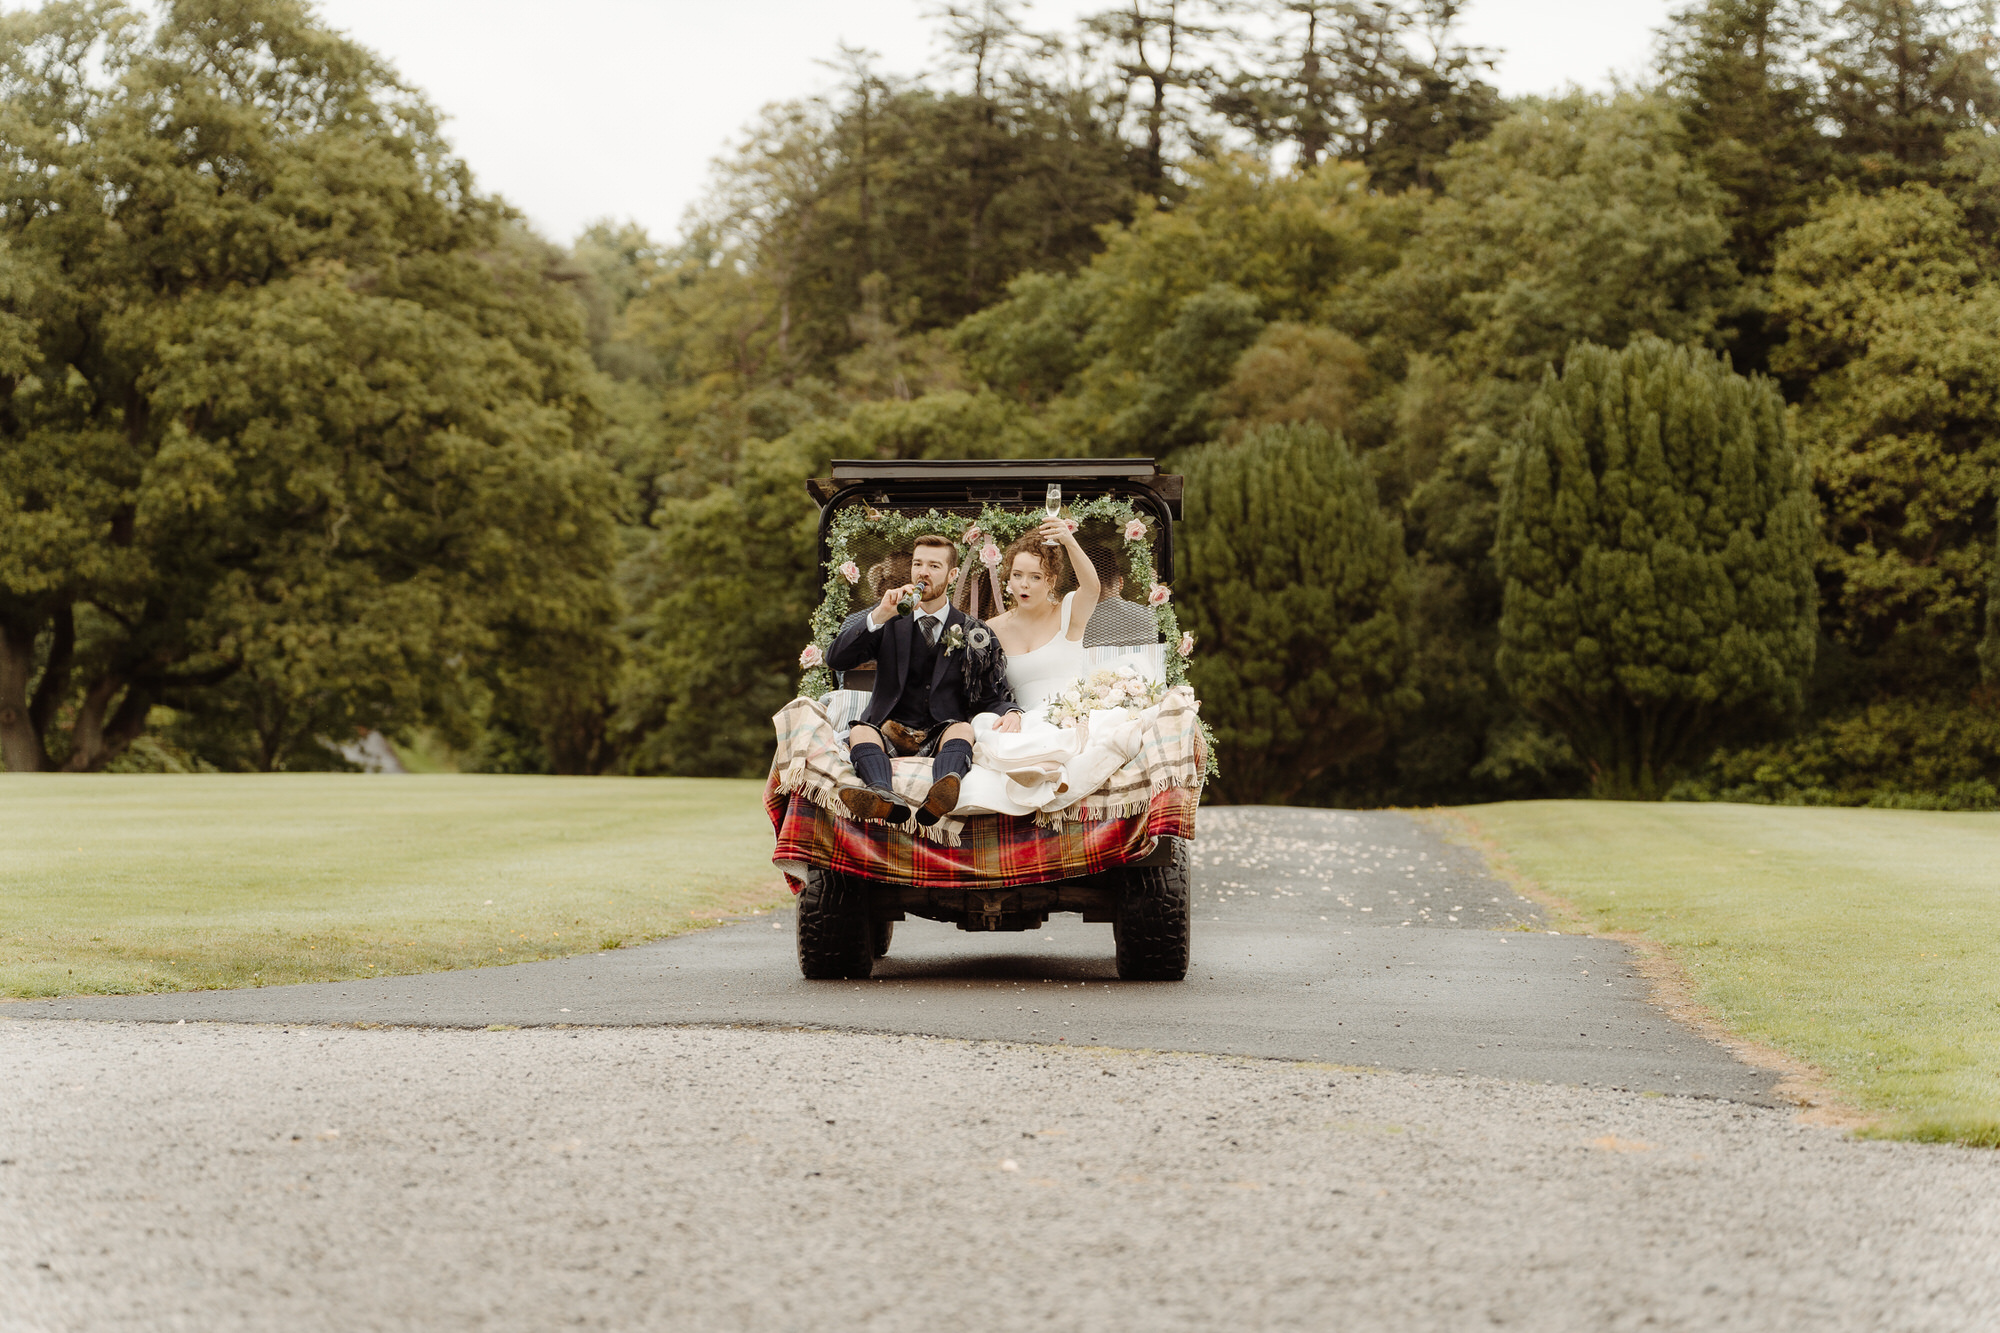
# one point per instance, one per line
(856, 880)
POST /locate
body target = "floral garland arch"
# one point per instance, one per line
(1000, 526)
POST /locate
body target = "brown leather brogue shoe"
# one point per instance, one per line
(943, 799)
(864, 803)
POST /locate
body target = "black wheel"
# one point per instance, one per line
(1152, 926)
(836, 938)
(880, 935)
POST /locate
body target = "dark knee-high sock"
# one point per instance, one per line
(871, 765)
(953, 757)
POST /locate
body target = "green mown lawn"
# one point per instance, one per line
(1864, 941)
(117, 884)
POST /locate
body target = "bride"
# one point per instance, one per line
(1043, 767)
(1043, 632)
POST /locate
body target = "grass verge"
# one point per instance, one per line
(1860, 941)
(116, 884)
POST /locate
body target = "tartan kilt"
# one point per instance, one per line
(994, 851)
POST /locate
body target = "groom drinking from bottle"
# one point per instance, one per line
(936, 668)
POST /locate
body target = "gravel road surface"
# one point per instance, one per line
(1357, 938)
(223, 1177)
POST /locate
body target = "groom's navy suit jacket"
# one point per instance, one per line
(892, 647)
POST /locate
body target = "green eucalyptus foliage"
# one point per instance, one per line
(1656, 543)
(294, 424)
(1294, 587)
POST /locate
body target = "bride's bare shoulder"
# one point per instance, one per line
(1001, 619)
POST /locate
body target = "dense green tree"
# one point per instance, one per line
(1907, 753)
(1439, 98)
(1656, 541)
(945, 194)
(1895, 349)
(1575, 219)
(287, 408)
(1902, 76)
(1127, 355)
(1294, 590)
(614, 264)
(1741, 73)
(1379, 82)
(1989, 647)
(1158, 49)
(726, 588)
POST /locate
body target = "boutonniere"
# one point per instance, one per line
(954, 638)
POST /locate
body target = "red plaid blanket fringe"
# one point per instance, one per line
(994, 851)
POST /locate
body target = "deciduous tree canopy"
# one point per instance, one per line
(292, 421)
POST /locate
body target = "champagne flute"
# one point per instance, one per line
(1053, 505)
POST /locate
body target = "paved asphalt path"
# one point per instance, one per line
(1352, 938)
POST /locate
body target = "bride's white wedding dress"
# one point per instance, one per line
(1036, 678)
(1043, 767)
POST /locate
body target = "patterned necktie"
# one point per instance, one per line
(931, 630)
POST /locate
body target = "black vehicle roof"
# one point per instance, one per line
(967, 484)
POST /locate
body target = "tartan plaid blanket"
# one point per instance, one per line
(811, 761)
(994, 851)
(1170, 757)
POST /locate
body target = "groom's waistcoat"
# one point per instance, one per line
(914, 708)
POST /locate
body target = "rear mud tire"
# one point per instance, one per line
(1153, 927)
(836, 938)
(881, 932)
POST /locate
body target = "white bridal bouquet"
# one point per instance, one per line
(1106, 687)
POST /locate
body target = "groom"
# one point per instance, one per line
(934, 671)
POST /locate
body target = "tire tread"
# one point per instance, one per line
(1154, 926)
(836, 941)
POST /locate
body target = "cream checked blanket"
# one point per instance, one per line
(1110, 772)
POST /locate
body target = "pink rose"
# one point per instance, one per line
(1159, 595)
(1135, 531)
(850, 571)
(1187, 644)
(989, 554)
(972, 536)
(811, 657)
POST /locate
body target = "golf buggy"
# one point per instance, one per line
(1120, 853)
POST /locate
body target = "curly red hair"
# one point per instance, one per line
(1054, 560)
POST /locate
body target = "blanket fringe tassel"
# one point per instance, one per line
(1091, 811)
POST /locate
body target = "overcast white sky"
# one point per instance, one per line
(613, 108)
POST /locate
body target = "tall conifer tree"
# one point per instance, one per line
(1296, 598)
(1656, 542)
